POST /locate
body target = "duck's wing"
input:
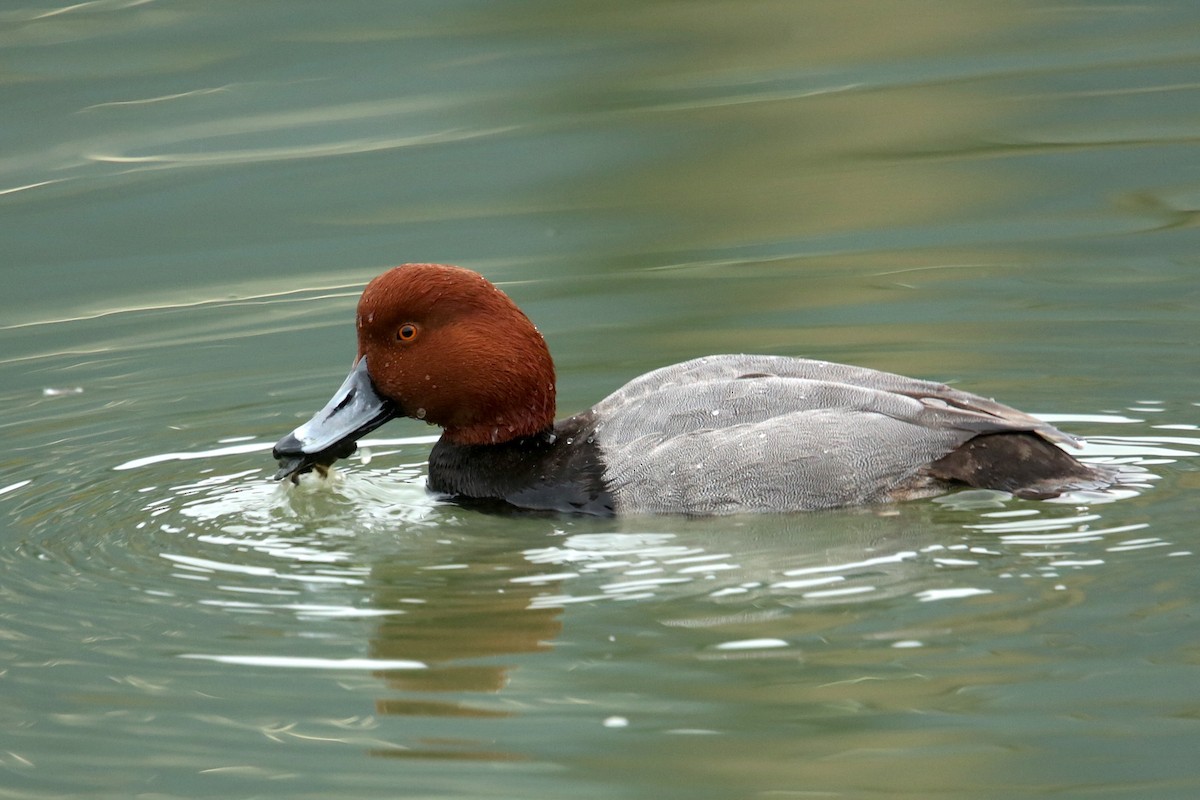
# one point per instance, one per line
(755, 433)
(824, 384)
(806, 460)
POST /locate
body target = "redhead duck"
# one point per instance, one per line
(715, 435)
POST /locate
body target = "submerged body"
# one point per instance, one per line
(715, 435)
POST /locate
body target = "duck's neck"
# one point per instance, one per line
(510, 397)
(558, 468)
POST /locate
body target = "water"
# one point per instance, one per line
(191, 197)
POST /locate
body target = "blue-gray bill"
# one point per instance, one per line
(355, 410)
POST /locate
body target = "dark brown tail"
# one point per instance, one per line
(1022, 463)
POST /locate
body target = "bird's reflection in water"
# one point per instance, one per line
(469, 623)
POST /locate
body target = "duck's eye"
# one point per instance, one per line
(406, 332)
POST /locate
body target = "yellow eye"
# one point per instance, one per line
(407, 332)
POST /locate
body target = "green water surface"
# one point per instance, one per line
(192, 194)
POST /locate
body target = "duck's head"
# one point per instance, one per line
(440, 344)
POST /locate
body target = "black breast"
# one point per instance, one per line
(560, 469)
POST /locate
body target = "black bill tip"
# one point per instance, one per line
(294, 462)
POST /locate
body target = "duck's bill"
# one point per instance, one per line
(355, 410)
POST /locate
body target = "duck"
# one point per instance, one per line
(716, 435)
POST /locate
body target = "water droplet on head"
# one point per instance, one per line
(420, 413)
